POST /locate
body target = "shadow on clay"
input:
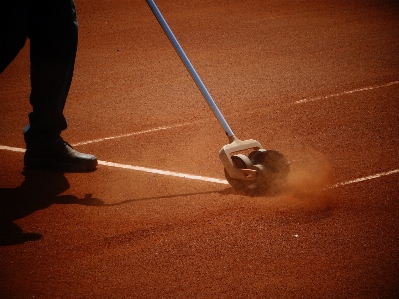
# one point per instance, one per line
(40, 189)
(158, 197)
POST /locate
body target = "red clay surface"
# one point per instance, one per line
(120, 233)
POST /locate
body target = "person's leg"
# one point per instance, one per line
(14, 16)
(53, 34)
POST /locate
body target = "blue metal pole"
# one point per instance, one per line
(190, 68)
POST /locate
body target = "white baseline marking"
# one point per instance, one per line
(12, 149)
(345, 92)
(164, 172)
(130, 134)
(139, 168)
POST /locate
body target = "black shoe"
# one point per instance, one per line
(58, 154)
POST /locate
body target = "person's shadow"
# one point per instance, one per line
(39, 190)
(43, 187)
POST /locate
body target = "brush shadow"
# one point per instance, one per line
(40, 189)
(159, 197)
(43, 187)
(227, 191)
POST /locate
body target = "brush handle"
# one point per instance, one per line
(191, 69)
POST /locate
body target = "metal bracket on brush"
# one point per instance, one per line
(237, 145)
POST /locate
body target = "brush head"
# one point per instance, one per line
(262, 171)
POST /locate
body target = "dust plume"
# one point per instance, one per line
(310, 173)
(309, 178)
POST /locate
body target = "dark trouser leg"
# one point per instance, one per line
(14, 16)
(53, 31)
(53, 34)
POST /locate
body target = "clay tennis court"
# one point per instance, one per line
(315, 80)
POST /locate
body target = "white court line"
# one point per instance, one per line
(366, 178)
(12, 149)
(184, 124)
(164, 172)
(139, 168)
(201, 178)
(130, 134)
(345, 92)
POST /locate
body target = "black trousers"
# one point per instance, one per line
(52, 28)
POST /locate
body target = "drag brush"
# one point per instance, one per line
(260, 169)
